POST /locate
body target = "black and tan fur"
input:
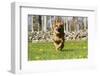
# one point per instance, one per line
(58, 34)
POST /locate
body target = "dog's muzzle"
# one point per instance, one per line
(59, 30)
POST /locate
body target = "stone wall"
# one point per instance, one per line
(41, 36)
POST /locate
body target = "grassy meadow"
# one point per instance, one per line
(73, 49)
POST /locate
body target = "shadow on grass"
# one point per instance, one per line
(68, 50)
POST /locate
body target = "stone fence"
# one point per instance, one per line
(47, 36)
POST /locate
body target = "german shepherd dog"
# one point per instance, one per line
(58, 33)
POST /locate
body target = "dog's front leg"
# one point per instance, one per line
(60, 44)
(56, 46)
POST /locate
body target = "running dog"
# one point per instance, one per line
(58, 33)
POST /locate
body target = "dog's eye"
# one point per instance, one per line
(56, 25)
(62, 25)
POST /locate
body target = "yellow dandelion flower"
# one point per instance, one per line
(37, 57)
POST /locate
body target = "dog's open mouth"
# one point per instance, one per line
(59, 30)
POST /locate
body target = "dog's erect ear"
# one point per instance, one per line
(58, 20)
(62, 23)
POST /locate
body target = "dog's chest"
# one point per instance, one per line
(56, 39)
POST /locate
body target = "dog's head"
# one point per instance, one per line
(58, 26)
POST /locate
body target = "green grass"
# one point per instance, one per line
(46, 51)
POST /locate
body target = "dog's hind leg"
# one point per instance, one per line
(62, 46)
